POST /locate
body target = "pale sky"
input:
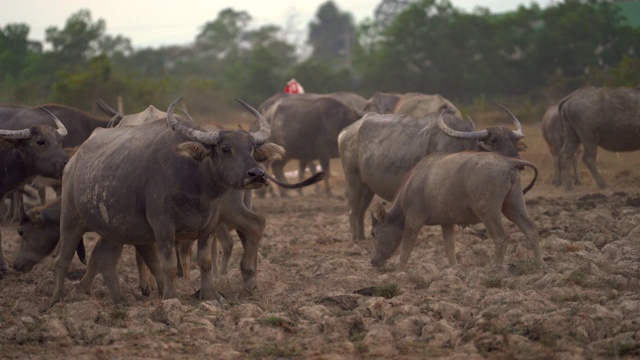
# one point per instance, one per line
(161, 23)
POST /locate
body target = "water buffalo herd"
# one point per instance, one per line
(160, 182)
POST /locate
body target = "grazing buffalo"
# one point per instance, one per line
(553, 134)
(419, 105)
(456, 189)
(598, 117)
(151, 184)
(28, 152)
(308, 127)
(378, 151)
(39, 232)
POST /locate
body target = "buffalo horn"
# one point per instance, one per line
(209, 138)
(518, 133)
(468, 135)
(15, 134)
(61, 130)
(263, 134)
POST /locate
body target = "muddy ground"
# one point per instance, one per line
(319, 297)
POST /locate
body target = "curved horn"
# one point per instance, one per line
(263, 134)
(468, 135)
(15, 134)
(518, 133)
(187, 115)
(209, 138)
(62, 131)
(470, 120)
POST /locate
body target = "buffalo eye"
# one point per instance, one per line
(41, 142)
(225, 150)
(20, 232)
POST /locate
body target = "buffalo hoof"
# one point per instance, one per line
(145, 291)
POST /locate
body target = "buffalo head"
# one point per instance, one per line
(231, 155)
(495, 139)
(39, 147)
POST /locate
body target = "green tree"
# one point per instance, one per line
(78, 41)
(332, 35)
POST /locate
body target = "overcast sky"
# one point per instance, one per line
(158, 23)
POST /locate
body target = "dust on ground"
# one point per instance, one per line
(319, 297)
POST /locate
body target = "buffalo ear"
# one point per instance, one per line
(521, 145)
(36, 217)
(193, 150)
(380, 214)
(268, 151)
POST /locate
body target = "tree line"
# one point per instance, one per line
(533, 54)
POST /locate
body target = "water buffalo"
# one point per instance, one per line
(307, 127)
(28, 152)
(151, 184)
(604, 117)
(378, 151)
(456, 189)
(553, 134)
(39, 232)
(418, 105)
(79, 124)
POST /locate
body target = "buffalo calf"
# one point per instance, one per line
(456, 189)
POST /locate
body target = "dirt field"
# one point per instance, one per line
(319, 297)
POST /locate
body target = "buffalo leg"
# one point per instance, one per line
(589, 159)
(165, 244)
(207, 290)
(104, 258)
(302, 167)
(448, 232)
(557, 170)
(411, 229)
(567, 153)
(493, 222)
(360, 197)
(325, 164)
(70, 237)
(278, 171)
(250, 229)
(226, 241)
(516, 211)
(183, 249)
(144, 278)
(148, 254)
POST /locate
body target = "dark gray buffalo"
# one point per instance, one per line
(308, 127)
(456, 189)
(27, 152)
(151, 184)
(553, 134)
(79, 124)
(39, 232)
(598, 117)
(378, 151)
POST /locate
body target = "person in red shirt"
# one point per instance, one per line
(293, 87)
